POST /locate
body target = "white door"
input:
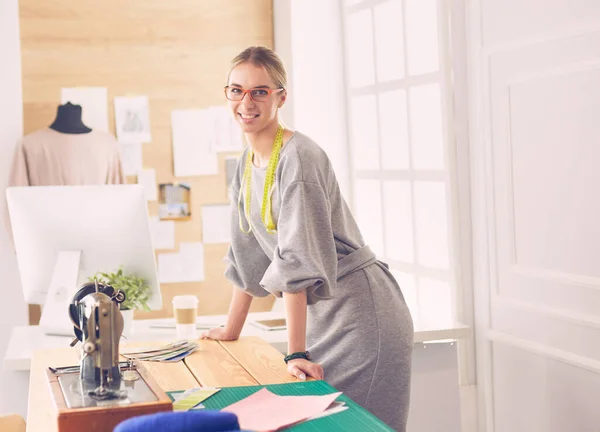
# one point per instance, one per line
(535, 146)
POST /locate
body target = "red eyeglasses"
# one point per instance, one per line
(256, 94)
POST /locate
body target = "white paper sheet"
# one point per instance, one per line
(192, 146)
(192, 256)
(210, 118)
(94, 105)
(163, 233)
(185, 266)
(147, 178)
(228, 135)
(169, 268)
(132, 119)
(215, 224)
(237, 137)
(131, 158)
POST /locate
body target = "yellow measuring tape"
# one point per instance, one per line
(266, 209)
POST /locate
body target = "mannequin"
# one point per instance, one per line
(68, 120)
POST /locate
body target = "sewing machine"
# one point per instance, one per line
(101, 392)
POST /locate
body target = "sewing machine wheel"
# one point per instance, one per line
(84, 290)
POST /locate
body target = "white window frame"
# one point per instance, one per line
(454, 127)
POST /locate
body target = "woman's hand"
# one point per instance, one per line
(219, 333)
(301, 368)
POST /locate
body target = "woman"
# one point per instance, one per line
(293, 236)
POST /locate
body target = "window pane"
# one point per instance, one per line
(365, 147)
(435, 303)
(421, 36)
(399, 243)
(394, 130)
(367, 210)
(388, 41)
(408, 286)
(359, 49)
(426, 127)
(431, 218)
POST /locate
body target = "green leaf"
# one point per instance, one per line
(137, 291)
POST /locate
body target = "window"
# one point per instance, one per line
(398, 129)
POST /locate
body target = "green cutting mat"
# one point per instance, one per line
(355, 418)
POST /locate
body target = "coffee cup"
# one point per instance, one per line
(185, 309)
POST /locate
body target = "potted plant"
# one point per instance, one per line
(135, 288)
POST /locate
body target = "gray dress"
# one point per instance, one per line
(358, 326)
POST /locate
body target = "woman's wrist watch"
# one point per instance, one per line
(297, 355)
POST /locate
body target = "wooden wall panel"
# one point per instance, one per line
(177, 53)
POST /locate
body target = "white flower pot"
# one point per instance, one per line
(127, 322)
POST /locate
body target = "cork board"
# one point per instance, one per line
(175, 52)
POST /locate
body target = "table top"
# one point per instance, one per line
(248, 361)
(25, 340)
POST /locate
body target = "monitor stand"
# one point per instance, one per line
(55, 318)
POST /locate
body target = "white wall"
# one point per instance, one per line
(282, 35)
(12, 307)
(308, 33)
(535, 101)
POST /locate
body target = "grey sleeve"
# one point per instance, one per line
(305, 257)
(247, 262)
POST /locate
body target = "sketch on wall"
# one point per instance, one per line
(132, 119)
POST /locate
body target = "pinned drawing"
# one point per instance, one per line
(132, 119)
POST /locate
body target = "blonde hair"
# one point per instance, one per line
(261, 56)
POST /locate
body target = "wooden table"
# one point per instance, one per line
(248, 361)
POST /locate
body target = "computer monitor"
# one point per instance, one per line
(63, 235)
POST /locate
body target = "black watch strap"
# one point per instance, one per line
(297, 355)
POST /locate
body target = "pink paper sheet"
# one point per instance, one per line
(265, 411)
